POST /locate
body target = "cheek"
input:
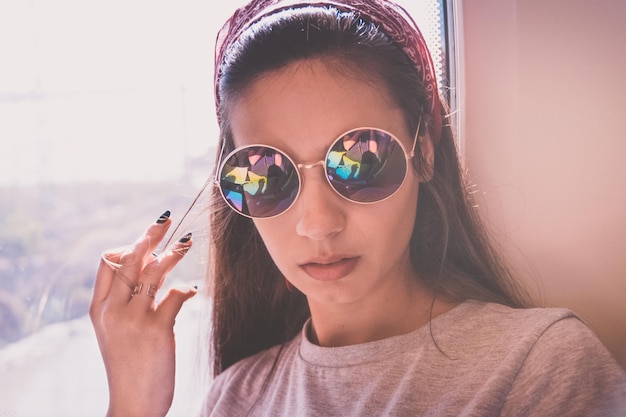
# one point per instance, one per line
(400, 213)
(274, 235)
(264, 231)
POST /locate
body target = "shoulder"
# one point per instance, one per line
(568, 371)
(548, 360)
(497, 326)
(476, 328)
(499, 315)
(236, 389)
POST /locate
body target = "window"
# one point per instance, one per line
(106, 120)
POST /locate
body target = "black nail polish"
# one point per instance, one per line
(185, 238)
(163, 217)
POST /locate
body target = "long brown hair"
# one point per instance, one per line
(253, 309)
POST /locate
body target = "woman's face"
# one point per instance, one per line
(333, 250)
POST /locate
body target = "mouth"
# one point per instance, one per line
(331, 269)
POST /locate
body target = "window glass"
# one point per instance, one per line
(106, 120)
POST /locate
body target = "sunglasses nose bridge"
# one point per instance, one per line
(311, 166)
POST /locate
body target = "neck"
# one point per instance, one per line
(395, 313)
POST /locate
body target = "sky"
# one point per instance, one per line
(117, 90)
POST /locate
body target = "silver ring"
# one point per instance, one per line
(137, 289)
(151, 290)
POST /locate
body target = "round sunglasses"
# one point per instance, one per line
(364, 165)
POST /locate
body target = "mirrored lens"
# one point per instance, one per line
(366, 165)
(259, 181)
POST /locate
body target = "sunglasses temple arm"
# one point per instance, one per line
(191, 206)
(219, 163)
(210, 181)
(416, 138)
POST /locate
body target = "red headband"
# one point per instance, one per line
(392, 18)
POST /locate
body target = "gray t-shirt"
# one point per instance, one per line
(476, 360)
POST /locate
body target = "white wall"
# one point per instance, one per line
(545, 140)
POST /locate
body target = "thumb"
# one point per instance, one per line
(171, 304)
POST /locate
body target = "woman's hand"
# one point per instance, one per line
(136, 335)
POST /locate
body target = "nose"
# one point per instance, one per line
(321, 212)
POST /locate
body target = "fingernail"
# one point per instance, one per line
(164, 217)
(185, 238)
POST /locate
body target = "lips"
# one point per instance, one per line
(330, 269)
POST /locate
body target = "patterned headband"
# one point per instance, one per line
(392, 18)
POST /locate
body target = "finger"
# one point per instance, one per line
(154, 273)
(104, 280)
(172, 303)
(132, 260)
(175, 254)
(147, 243)
(155, 234)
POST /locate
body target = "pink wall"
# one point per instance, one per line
(544, 131)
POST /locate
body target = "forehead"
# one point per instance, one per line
(307, 104)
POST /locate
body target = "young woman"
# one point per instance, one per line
(350, 275)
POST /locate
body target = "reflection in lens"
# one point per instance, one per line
(366, 165)
(259, 181)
